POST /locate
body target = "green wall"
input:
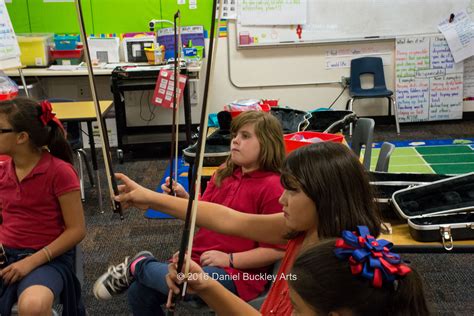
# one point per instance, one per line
(102, 16)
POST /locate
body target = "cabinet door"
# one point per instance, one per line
(18, 12)
(122, 16)
(58, 16)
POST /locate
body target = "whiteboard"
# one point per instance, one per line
(9, 49)
(349, 20)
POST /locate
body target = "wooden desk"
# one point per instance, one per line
(83, 111)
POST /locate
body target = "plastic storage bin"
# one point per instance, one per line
(35, 49)
(67, 57)
(292, 144)
(66, 42)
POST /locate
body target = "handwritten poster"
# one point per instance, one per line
(163, 95)
(459, 32)
(429, 84)
(8, 44)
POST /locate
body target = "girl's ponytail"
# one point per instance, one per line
(57, 143)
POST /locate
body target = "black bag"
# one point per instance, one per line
(217, 147)
(330, 121)
(439, 211)
(291, 120)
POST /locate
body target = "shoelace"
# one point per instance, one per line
(119, 276)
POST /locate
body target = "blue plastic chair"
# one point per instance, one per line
(373, 66)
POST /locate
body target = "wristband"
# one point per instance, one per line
(231, 260)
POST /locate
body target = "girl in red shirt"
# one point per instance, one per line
(41, 211)
(249, 182)
(326, 191)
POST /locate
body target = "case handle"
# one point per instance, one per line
(446, 237)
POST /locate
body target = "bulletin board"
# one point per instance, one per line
(349, 20)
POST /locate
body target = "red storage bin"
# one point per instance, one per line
(292, 144)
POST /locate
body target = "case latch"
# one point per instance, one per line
(446, 237)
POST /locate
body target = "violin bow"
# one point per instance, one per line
(190, 221)
(112, 182)
(175, 126)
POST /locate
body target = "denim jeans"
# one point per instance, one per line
(149, 290)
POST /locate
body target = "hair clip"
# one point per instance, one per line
(369, 257)
(48, 115)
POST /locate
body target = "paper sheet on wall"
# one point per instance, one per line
(469, 79)
(341, 58)
(459, 34)
(229, 9)
(9, 48)
(429, 84)
(272, 12)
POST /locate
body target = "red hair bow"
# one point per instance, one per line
(48, 115)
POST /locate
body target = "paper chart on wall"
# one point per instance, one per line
(429, 85)
(9, 49)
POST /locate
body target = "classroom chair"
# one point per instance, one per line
(372, 66)
(78, 269)
(363, 135)
(74, 138)
(384, 157)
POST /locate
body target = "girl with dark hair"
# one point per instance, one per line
(41, 210)
(335, 278)
(326, 191)
(248, 182)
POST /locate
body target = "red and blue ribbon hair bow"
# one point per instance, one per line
(369, 257)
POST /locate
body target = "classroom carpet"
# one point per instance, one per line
(449, 156)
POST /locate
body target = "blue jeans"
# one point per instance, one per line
(149, 290)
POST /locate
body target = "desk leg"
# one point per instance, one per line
(94, 163)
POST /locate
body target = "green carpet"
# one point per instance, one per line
(445, 159)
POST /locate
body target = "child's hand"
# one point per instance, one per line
(215, 258)
(197, 281)
(16, 271)
(131, 193)
(178, 189)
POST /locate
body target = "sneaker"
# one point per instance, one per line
(117, 279)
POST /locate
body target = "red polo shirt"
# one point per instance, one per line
(278, 299)
(256, 192)
(32, 216)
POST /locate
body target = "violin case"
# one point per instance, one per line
(442, 210)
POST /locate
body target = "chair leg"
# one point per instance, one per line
(88, 166)
(395, 111)
(349, 107)
(81, 176)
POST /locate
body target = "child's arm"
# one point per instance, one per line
(263, 228)
(250, 259)
(73, 215)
